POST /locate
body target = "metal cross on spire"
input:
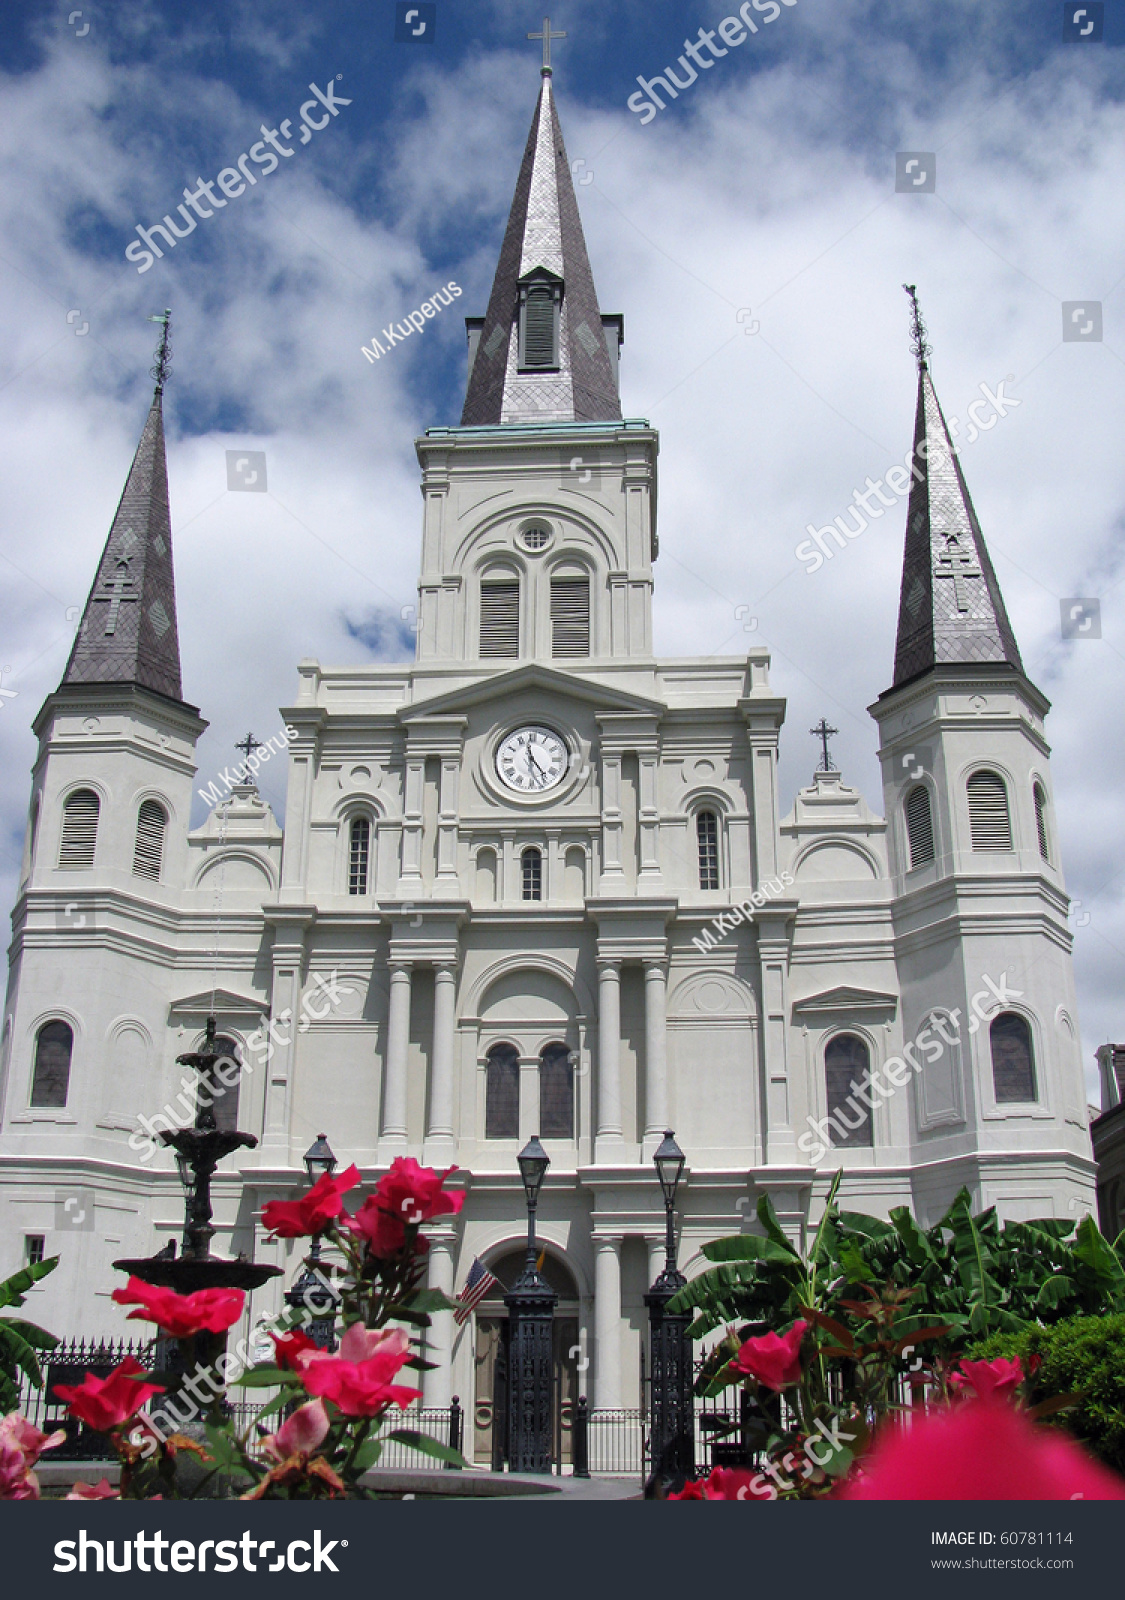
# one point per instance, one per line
(922, 351)
(162, 371)
(823, 732)
(250, 744)
(546, 37)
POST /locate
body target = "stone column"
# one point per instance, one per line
(440, 1130)
(609, 1126)
(648, 816)
(655, 1247)
(394, 1058)
(613, 872)
(437, 1386)
(412, 824)
(448, 823)
(773, 953)
(656, 1051)
(607, 1322)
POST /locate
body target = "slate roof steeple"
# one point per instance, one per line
(544, 237)
(128, 631)
(951, 611)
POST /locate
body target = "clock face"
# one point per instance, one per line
(532, 760)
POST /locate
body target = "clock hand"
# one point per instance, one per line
(532, 761)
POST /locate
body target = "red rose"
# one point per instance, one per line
(986, 1451)
(102, 1490)
(290, 1219)
(404, 1197)
(774, 1361)
(361, 1388)
(289, 1347)
(727, 1483)
(102, 1403)
(181, 1315)
(988, 1379)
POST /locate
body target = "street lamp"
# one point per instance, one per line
(311, 1292)
(531, 1311)
(672, 1428)
(319, 1159)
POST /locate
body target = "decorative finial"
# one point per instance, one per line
(917, 329)
(162, 371)
(249, 745)
(823, 732)
(546, 37)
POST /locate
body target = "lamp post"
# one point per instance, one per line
(312, 1292)
(672, 1421)
(531, 1311)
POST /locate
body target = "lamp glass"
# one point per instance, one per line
(319, 1159)
(533, 1163)
(184, 1169)
(669, 1162)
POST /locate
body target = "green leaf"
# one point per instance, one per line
(914, 1241)
(428, 1446)
(13, 1289)
(855, 1264)
(368, 1454)
(768, 1218)
(285, 1398)
(430, 1300)
(748, 1247)
(1101, 1262)
(265, 1378)
(222, 1449)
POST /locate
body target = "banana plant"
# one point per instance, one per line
(19, 1340)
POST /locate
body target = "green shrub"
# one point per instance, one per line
(1083, 1354)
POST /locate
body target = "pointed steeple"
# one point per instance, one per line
(128, 631)
(544, 250)
(951, 611)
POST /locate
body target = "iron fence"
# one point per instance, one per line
(68, 1363)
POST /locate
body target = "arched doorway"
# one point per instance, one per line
(490, 1360)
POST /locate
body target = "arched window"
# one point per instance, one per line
(225, 1094)
(531, 864)
(1041, 820)
(148, 852)
(846, 1061)
(1013, 1066)
(51, 1078)
(502, 1093)
(79, 831)
(499, 618)
(990, 824)
(570, 617)
(359, 851)
(486, 876)
(707, 838)
(556, 1093)
(919, 826)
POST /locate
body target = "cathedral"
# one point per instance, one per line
(539, 881)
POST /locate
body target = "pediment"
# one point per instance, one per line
(223, 1000)
(535, 675)
(846, 997)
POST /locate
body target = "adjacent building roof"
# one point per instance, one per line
(951, 611)
(128, 630)
(544, 232)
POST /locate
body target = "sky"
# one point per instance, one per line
(752, 234)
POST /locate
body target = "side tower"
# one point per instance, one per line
(104, 863)
(981, 938)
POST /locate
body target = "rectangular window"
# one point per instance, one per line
(357, 860)
(538, 330)
(34, 1248)
(707, 835)
(532, 864)
(500, 619)
(570, 617)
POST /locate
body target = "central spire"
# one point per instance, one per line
(543, 352)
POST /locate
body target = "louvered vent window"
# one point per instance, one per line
(360, 850)
(500, 618)
(79, 831)
(148, 852)
(532, 863)
(707, 836)
(989, 821)
(1041, 822)
(570, 617)
(919, 827)
(538, 342)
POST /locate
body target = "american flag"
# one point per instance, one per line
(477, 1285)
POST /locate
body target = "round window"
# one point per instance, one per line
(536, 537)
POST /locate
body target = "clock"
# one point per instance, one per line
(531, 760)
